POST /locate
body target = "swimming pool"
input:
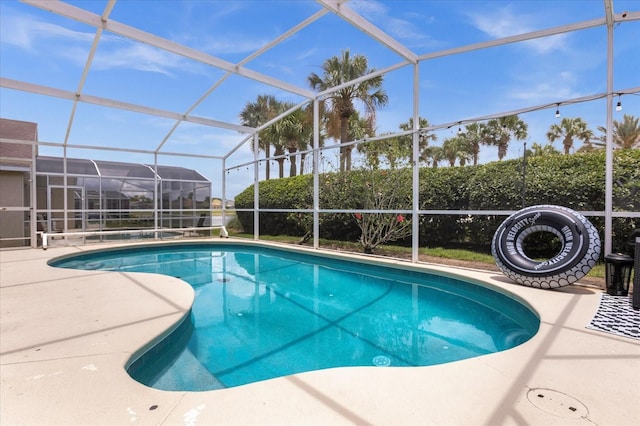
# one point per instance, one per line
(262, 312)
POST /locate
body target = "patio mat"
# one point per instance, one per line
(616, 315)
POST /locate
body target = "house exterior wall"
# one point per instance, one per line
(12, 222)
(15, 163)
(18, 130)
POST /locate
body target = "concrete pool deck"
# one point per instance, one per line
(66, 335)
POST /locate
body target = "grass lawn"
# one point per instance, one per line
(454, 257)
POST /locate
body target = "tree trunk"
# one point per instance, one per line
(344, 138)
(280, 168)
(306, 237)
(567, 143)
(293, 167)
(302, 158)
(267, 154)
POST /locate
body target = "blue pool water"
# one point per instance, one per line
(261, 313)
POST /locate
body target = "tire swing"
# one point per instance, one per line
(579, 252)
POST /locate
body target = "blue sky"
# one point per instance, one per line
(46, 49)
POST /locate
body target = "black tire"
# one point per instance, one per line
(579, 253)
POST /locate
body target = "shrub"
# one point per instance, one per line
(289, 193)
(576, 181)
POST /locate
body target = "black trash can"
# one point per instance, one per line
(618, 273)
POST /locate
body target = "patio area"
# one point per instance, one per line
(66, 336)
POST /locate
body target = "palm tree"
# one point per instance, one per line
(306, 137)
(434, 154)
(273, 134)
(291, 129)
(375, 151)
(450, 150)
(626, 134)
(340, 70)
(569, 129)
(456, 148)
(257, 113)
(406, 142)
(281, 133)
(360, 128)
(538, 150)
(473, 134)
(396, 149)
(465, 150)
(499, 132)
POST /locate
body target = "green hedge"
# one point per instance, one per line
(576, 181)
(287, 193)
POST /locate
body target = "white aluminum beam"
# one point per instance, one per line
(33, 204)
(515, 39)
(256, 189)
(349, 15)
(627, 16)
(608, 166)
(608, 12)
(415, 169)
(132, 150)
(81, 15)
(316, 170)
(110, 103)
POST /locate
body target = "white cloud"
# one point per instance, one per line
(283, 67)
(402, 29)
(214, 11)
(203, 26)
(307, 53)
(42, 38)
(542, 92)
(28, 33)
(237, 43)
(369, 7)
(218, 141)
(16, 31)
(499, 23)
(504, 22)
(541, 89)
(138, 57)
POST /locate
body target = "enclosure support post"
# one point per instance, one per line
(256, 187)
(224, 195)
(101, 201)
(316, 179)
(33, 223)
(415, 167)
(65, 196)
(524, 175)
(157, 202)
(608, 191)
